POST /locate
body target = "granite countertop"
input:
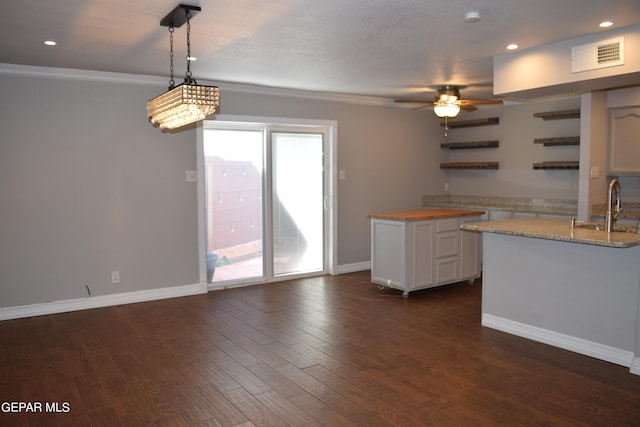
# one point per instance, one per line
(555, 229)
(630, 211)
(422, 214)
(516, 204)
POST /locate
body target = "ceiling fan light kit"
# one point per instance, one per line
(446, 109)
(447, 103)
(188, 102)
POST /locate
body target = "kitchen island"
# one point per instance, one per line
(574, 288)
(412, 250)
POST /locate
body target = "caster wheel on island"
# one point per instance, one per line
(405, 295)
(381, 287)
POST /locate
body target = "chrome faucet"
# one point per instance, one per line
(613, 205)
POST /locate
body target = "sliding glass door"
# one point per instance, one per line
(265, 201)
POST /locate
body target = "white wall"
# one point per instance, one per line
(517, 152)
(88, 186)
(547, 70)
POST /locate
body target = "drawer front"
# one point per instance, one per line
(447, 270)
(448, 224)
(447, 244)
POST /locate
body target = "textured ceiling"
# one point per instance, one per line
(363, 47)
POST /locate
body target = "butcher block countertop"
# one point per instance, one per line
(423, 214)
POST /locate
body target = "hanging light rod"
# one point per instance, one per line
(177, 17)
(188, 102)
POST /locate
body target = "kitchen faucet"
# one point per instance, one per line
(612, 215)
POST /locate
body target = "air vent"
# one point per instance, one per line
(593, 56)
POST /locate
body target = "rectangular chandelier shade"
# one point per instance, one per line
(184, 104)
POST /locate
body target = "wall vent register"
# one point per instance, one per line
(593, 56)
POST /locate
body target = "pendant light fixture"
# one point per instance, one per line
(188, 102)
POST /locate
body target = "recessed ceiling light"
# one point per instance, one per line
(50, 42)
(605, 24)
(512, 46)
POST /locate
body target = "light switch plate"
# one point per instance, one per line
(190, 176)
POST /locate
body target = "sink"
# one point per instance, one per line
(616, 227)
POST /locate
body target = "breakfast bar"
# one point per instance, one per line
(577, 288)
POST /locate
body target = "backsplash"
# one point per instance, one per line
(516, 204)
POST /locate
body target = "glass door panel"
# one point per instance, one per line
(234, 204)
(297, 202)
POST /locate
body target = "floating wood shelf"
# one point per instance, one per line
(558, 115)
(469, 165)
(557, 165)
(551, 142)
(470, 144)
(473, 123)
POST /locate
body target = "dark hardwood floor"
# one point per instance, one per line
(322, 351)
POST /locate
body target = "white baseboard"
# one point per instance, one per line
(54, 307)
(635, 366)
(352, 268)
(567, 342)
(100, 301)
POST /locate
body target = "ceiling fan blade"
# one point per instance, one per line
(480, 102)
(468, 107)
(414, 101)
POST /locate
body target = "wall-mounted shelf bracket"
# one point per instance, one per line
(470, 144)
(557, 165)
(552, 142)
(470, 165)
(558, 115)
(473, 123)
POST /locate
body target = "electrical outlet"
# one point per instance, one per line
(115, 276)
(190, 176)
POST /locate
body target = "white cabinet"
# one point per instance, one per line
(624, 141)
(412, 255)
(447, 249)
(470, 252)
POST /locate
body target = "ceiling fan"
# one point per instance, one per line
(447, 102)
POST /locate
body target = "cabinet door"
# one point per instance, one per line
(388, 253)
(470, 254)
(423, 254)
(624, 141)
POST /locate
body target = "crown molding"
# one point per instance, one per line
(76, 74)
(103, 76)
